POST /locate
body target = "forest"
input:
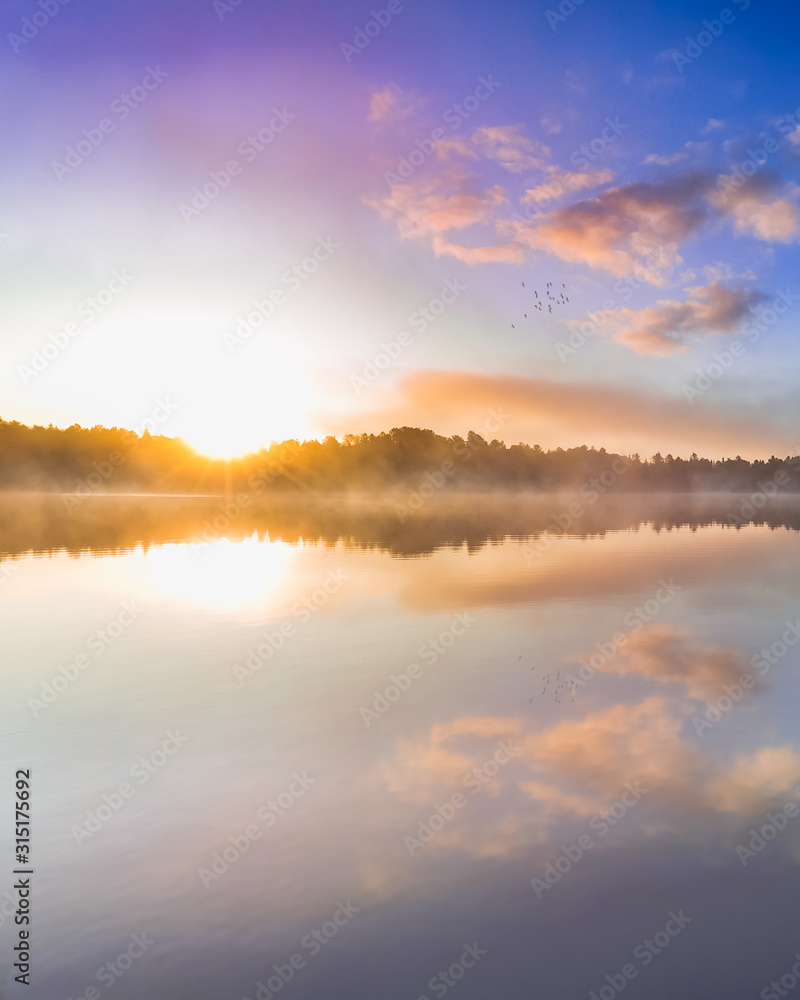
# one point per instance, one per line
(86, 461)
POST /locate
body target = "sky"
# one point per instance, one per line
(239, 223)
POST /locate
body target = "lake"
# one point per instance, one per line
(319, 749)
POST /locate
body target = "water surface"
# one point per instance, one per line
(354, 671)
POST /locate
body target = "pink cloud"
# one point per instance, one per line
(561, 183)
(506, 145)
(756, 207)
(424, 209)
(666, 327)
(390, 105)
(508, 253)
(623, 228)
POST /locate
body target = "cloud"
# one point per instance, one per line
(665, 161)
(619, 229)
(635, 229)
(391, 105)
(573, 769)
(757, 207)
(668, 326)
(551, 125)
(712, 125)
(456, 145)
(506, 145)
(568, 414)
(560, 183)
(425, 208)
(753, 781)
(718, 272)
(665, 654)
(508, 253)
(611, 747)
(444, 757)
(429, 209)
(794, 137)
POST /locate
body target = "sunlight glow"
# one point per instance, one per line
(221, 574)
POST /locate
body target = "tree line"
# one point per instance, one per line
(89, 460)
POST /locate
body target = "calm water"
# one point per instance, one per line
(321, 800)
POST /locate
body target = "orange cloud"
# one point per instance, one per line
(569, 414)
(615, 745)
(665, 654)
(666, 327)
(578, 767)
(561, 183)
(752, 781)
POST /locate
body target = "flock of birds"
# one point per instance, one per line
(559, 686)
(548, 299)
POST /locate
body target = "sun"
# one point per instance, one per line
(244, 411)
(224, 442)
